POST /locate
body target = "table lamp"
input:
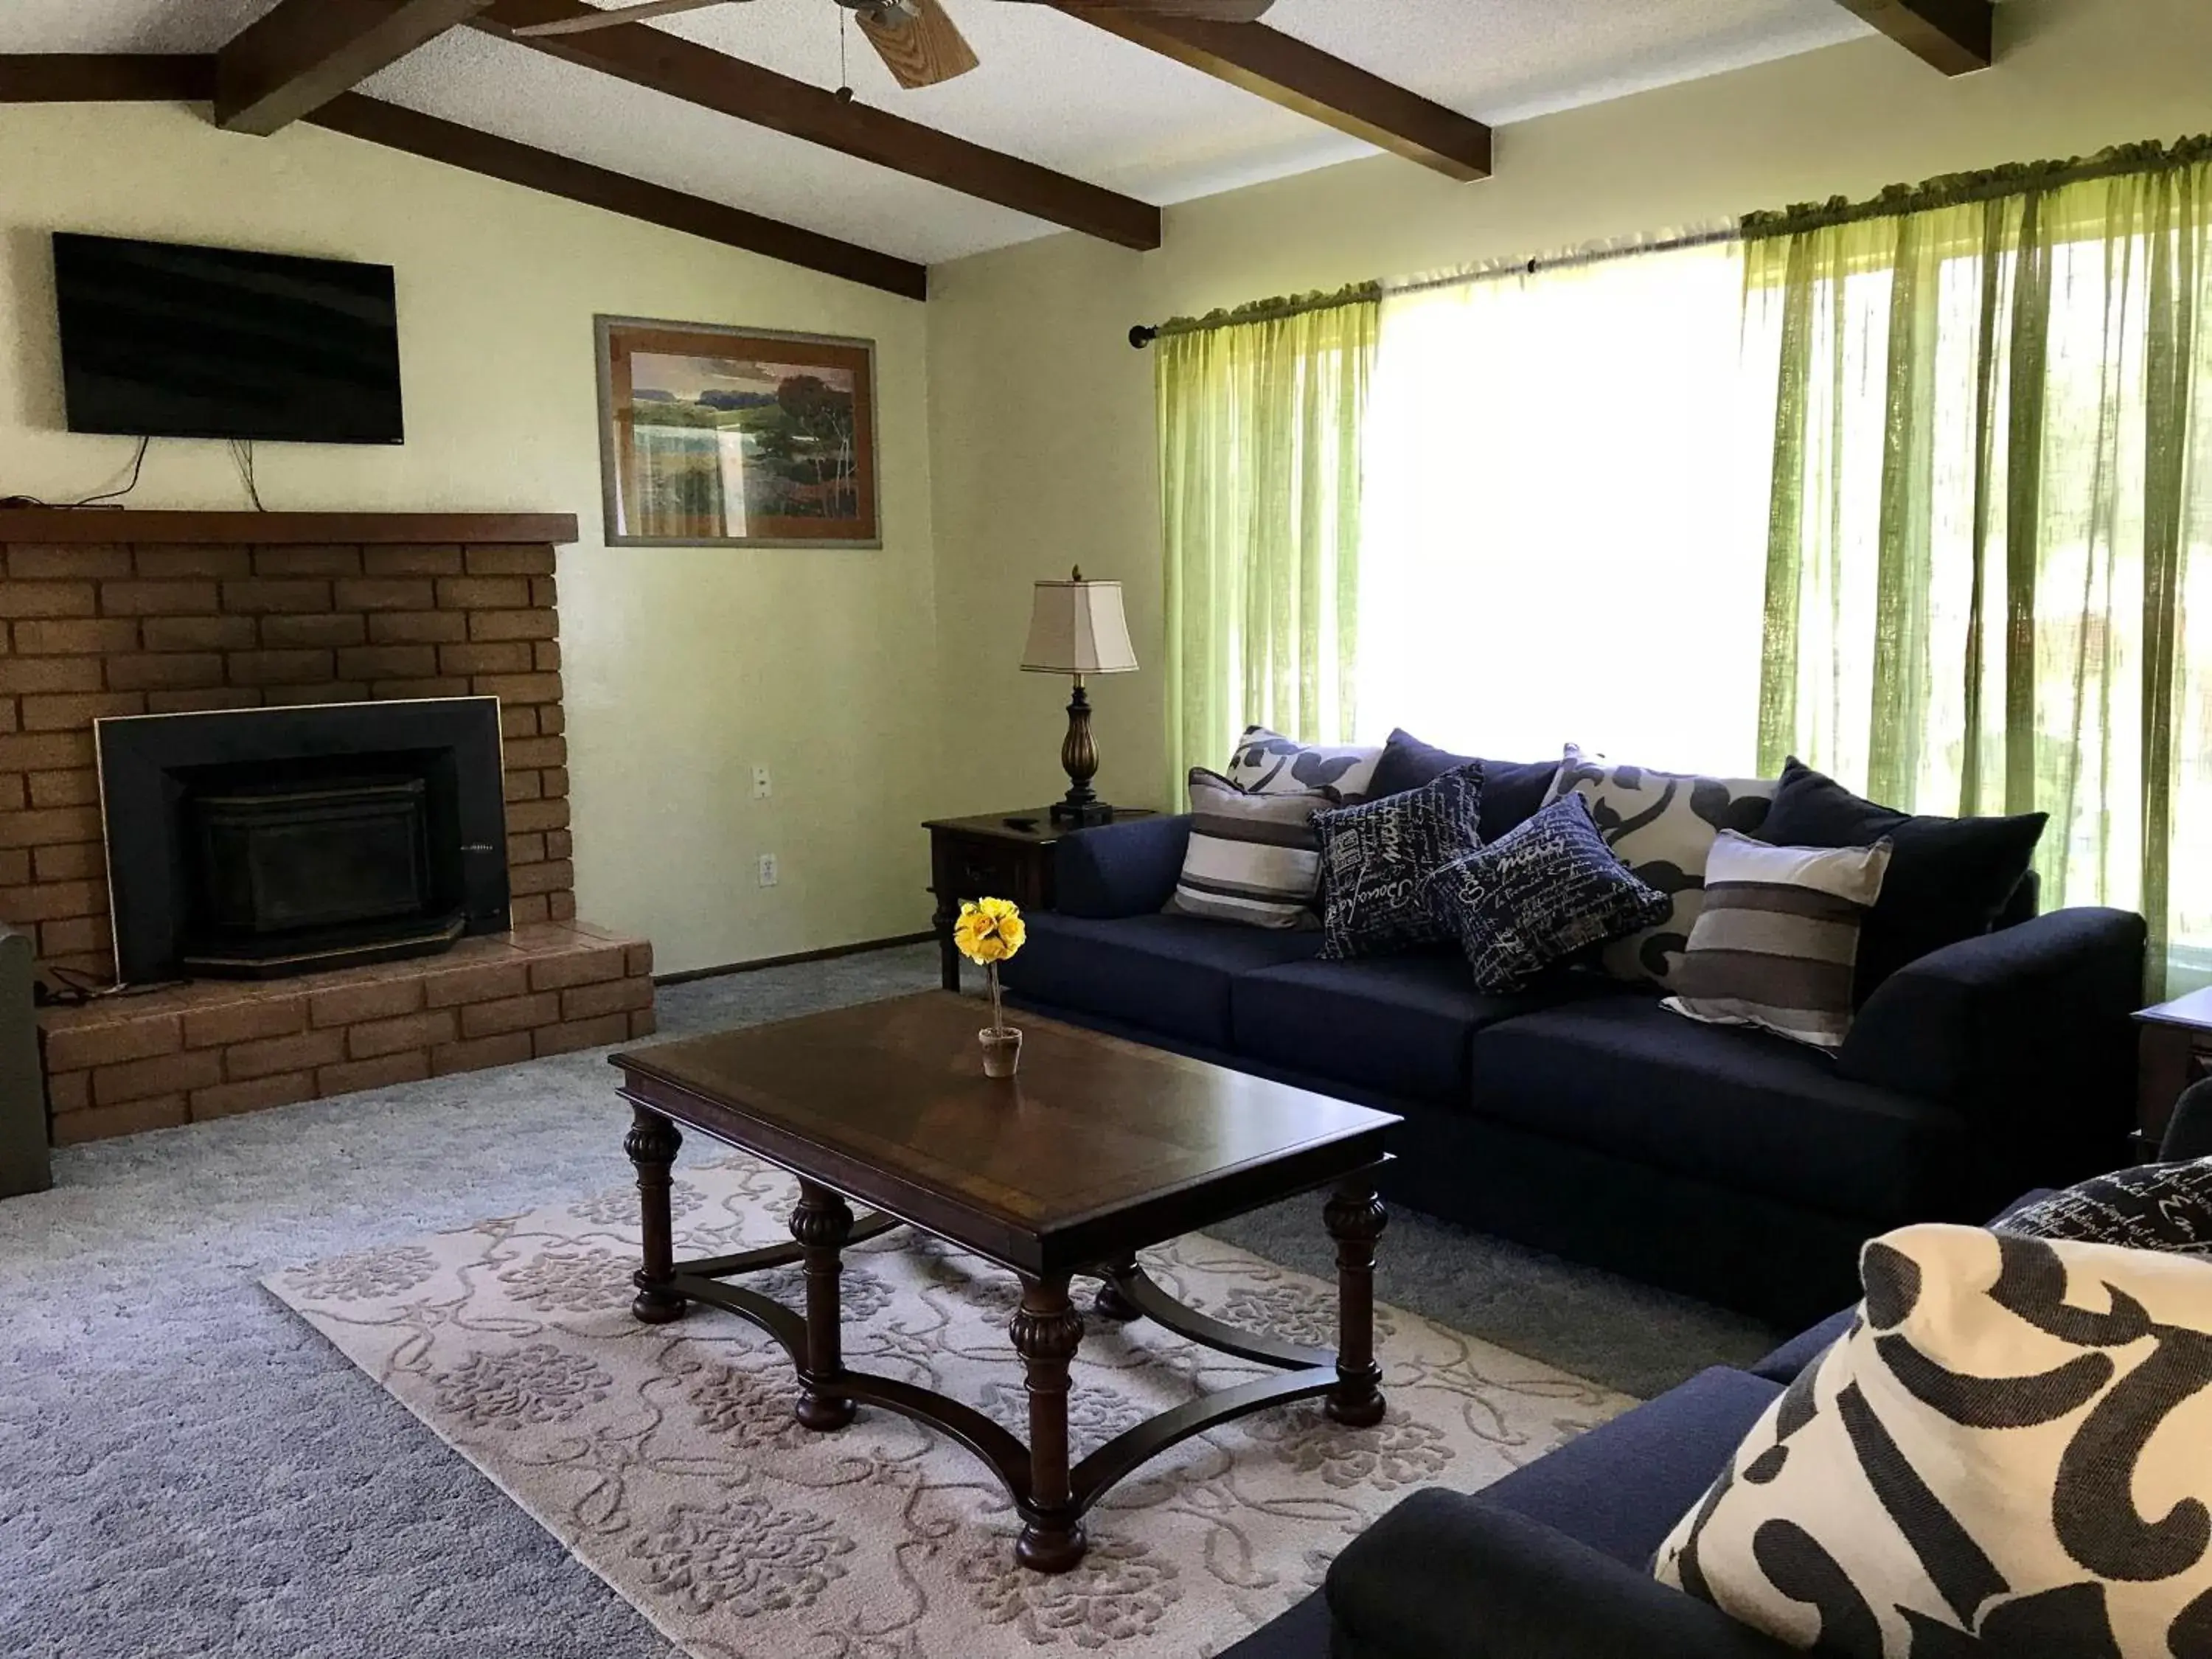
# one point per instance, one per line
(1077, 628)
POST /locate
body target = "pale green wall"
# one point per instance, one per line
(685, 666)
(881, 686)
(1040, 417)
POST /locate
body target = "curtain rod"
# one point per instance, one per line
(1266, 310)
(1951, 189)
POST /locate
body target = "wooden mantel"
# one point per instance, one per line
(54, 525)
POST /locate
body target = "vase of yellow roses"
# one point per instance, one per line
(988, 931)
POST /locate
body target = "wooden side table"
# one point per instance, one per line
(999, 855)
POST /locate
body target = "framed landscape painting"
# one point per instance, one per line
(733, 437)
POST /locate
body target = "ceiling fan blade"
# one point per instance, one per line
(921, 46)
(1212, 11)
(618, 15)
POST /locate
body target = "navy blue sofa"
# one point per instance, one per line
(1586, 1120)
(1553, 1561)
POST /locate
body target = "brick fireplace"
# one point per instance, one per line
(116, 613)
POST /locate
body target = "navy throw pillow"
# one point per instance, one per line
(1547, 891)
(1512, 790)
(1949, 878)
(1376, 858)
(2152, 1206)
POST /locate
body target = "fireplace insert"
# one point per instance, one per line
(267, 842)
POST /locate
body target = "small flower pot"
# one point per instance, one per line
(1002, 1050)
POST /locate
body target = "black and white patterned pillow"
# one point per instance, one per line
(1663, 826)
(1268, 764)
(2009, 1453)
(2152, 1206)
(1376, 858)
(1538, 895)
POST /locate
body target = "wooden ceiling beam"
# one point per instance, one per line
(86, 78)
(677, 68)
(305, 52)
(396, 127)
(123, 78)
(1285, 70)
(1956, 36)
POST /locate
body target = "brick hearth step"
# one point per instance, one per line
(217, 1048)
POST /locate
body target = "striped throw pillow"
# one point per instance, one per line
(1253, 859)
(1777, 940)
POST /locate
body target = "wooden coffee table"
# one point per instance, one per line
(1099, 1148)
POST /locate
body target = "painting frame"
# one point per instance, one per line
(848, 363)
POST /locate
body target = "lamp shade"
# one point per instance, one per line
(1076, 627)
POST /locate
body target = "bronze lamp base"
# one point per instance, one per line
(1078, 758)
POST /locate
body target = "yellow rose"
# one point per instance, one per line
(989, 930)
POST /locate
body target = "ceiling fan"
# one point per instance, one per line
(918, 42)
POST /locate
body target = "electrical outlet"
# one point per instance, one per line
(768, 869)
(760, 783)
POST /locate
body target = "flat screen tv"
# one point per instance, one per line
(163, 340)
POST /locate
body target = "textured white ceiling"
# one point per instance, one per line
(1052, 89)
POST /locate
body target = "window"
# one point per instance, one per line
(1564, 521)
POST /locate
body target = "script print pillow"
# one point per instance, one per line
(2009, 1455)
(1663, 826)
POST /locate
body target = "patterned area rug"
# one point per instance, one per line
(667, 1460)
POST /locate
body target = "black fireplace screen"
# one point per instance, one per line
(274, 841)
(275, 860)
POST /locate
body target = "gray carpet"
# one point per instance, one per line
(185, 1469)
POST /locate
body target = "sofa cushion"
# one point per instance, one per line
(2152, 1206)
(1540, 897)
(1621, 1487)
(1511, 790)
(1949, 878)
(1397, 1025)
(1743, 1108)
(1268, 764)
(2006, 1457)
(1160, 973)
(1663, 826)
(1253, 859)
(1774, 943)
(1376, 858)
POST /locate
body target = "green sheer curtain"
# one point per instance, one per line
(1258, 425)
(1992, 502)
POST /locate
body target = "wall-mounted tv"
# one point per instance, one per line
(163, 340)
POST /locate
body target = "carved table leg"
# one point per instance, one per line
(1355, 1219)
(653, 1143)
(821, 1222)
(1109, 1302)
(1046, 1331)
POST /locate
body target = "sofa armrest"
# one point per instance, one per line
(24, 1164)
(1121, 869)
(1445, 1576)
(2027, 1033)
(2189, 1131)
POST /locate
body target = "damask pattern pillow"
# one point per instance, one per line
(1252, 859)
(2152, 1206)
(1538, 896)
(2009, 1453)
(1268, 764)
(1375, 860)
(1663, 826)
